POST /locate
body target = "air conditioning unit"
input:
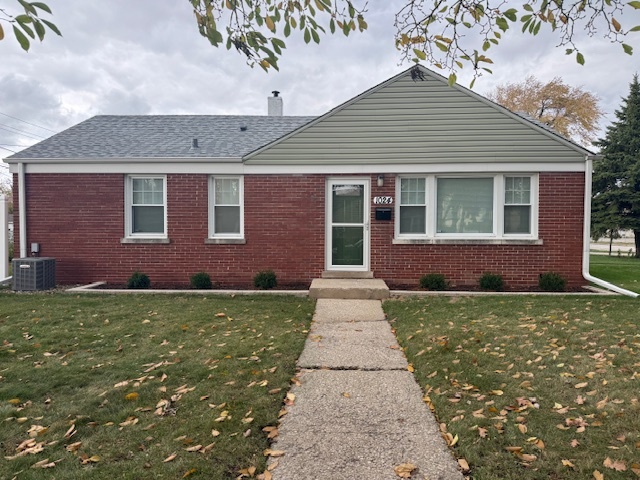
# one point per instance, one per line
(32, 274)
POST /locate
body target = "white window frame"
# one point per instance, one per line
(533, 204)
(128, 210)
(212, 205)
(431, 197)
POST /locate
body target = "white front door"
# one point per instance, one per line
(347, 224)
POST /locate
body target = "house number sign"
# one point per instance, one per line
(383, 200)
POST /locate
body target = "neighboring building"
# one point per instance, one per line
(410, 177)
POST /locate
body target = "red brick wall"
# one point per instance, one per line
(559, 227)
(79, 220)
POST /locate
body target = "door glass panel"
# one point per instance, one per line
(348, 204)
(348, 245)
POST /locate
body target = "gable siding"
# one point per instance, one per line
(417, 122)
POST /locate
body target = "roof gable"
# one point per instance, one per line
(416, 117)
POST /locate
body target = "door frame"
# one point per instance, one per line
(366, 205)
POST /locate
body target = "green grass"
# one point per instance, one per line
(555, 376)
(621, 271)
(96, 367)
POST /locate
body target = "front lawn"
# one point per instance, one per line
(143, 386)
(530, 387)
(621, 271)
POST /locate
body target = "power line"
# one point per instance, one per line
(28, 123)
(20, 132)
(9, 150)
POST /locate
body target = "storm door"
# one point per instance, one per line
(348, 224)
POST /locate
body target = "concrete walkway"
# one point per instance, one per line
(358, 412)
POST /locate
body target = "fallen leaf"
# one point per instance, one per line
(405, 470)
(73, 447)
(464, 465)
(44, 464)
(411, 369)
(597, 475)
(574, 443)
(92, 459)
(215, 433)
(170, 458)
(273, 453)
(617, 465)
(581, 385)
(129, 421)
(188, 473)
(131, 396)
(522, 428)
(568, 463)
(482, 432)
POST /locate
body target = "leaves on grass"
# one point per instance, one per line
(617, 465)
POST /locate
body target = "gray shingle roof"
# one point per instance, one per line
(163, 136)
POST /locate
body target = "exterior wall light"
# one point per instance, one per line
(380, 180)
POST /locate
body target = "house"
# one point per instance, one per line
(410, 177)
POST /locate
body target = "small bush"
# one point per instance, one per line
(138, 281)
(201, 281)
(265, 280)
(552, 282)
(491, 281)
(433, 281)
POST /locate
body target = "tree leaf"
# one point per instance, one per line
(41, 6)
(616, 24)
(51, 26)
(628, 49)
(580, 58)
(22, 39)
(420, 54)
(1, 33)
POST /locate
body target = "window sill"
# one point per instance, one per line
(145, 240)
(224, 241)
(466, 241)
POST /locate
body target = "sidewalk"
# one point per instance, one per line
(358, 412)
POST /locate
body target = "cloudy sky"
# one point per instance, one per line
(147, 57)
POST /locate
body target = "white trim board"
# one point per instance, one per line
(160, 168)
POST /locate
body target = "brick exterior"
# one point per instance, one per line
(79, 220)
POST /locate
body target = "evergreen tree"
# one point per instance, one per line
(616, 178)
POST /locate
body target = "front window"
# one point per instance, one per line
(517, 205)
(226, 200)
(413, 206)
(465, 205)
(448, 207)
(146, 206)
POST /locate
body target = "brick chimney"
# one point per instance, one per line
(274, 105)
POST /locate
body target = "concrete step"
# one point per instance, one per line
(346, 274)
(353, 288)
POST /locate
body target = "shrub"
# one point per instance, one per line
(201, 281)
(138, 280)
(552, 282)
(265, 280)
(433, 281)
(491, 281)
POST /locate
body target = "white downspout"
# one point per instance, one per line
(586, 243)
(22, 210)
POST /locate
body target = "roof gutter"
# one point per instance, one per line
(587, 233)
